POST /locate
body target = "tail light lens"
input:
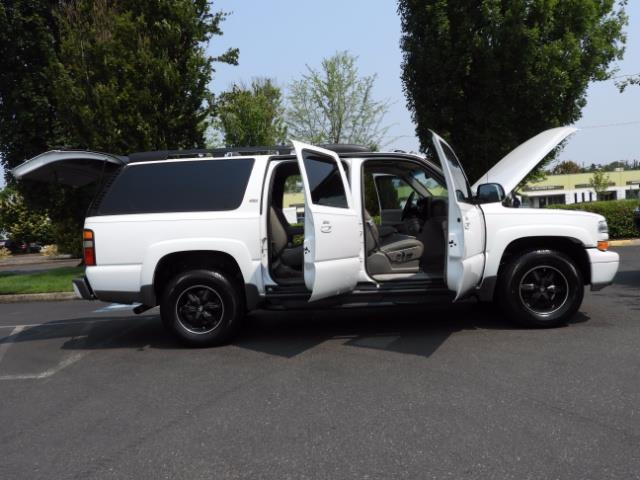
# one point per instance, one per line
(88, 248)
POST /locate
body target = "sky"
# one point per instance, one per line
(279, 38)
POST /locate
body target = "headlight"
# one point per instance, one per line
(603, 227)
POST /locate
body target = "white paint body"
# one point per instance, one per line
(128, 248)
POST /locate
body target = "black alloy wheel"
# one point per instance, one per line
(540, 288)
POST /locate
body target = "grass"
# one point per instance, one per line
(54, 280)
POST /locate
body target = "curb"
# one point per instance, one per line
(625, 243)
(37, 297)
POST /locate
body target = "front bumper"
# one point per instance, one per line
(604, 266)
(82, 288)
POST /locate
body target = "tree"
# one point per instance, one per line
(335, 105)
(599, 181)
(488, 75)
(21, 223)
(566, 167)
(117, 76)
(627, 82)
(252, 115)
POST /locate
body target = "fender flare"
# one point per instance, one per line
(249, 267)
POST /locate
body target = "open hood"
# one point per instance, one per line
(69, 167)
(510, 171)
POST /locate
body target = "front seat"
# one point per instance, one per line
(391, 252)
(281, 251)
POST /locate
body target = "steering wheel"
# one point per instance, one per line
(407, 206)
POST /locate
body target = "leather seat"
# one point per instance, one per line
(401, 250)
(281, 249)
(434, 232)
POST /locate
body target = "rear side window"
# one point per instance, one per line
(325, 181)
(191, 186)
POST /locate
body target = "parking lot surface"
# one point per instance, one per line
(89, 390)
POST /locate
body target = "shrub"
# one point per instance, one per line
(4, 253)
(619, 215)
(49, 251)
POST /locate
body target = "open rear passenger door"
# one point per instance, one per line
(465, 225)
(332, 237)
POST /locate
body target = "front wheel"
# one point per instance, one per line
(540, 288)
(202, 307)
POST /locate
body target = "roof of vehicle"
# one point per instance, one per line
(235, 152)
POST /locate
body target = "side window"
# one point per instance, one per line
(393, 191)
(293, 199)
(325, 182)
(463, 192)
(186, 186)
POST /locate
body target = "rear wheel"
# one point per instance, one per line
(540, 288)
(202, 307)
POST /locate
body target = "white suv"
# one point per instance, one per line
(210, 235)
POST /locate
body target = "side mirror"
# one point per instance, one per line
(490, 193)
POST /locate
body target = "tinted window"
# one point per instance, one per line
(193, 186)
(463, 192)
(325, 182)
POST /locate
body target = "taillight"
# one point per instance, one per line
(88, 248)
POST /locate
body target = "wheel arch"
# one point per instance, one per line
(570, 246)
(163, 261)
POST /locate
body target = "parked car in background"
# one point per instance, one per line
(21, 247)
(13, 246)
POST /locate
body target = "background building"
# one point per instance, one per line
(575, 188)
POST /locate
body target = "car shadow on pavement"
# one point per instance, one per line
(402, 329)
(628, 278)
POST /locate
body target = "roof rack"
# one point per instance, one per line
(235, 152)
(209, 152)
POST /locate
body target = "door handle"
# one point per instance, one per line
(325, 227)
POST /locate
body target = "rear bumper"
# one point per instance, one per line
(82, 289)
(604, 266)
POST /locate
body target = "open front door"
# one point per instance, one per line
(331, 227)
(465, 225)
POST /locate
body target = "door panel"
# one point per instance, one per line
(466, 227)
(331, 227)
(68, 167)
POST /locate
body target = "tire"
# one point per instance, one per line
(202, 307)
(540, 289)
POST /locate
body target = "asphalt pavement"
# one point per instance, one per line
(89, 390)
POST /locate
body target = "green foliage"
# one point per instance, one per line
(110, 75)
(599, 181)
(335, 105)
(252, 115)
(371, 202)
(54, 280)
(293, 184)
(619, 215)
(19, 222)
(627, 82)
(566, 167)
(488, 75)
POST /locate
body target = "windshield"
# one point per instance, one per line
(419, 178)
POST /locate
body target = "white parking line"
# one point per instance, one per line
(114, 307)
(67, 322)
(70, 360)
(6, 343)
